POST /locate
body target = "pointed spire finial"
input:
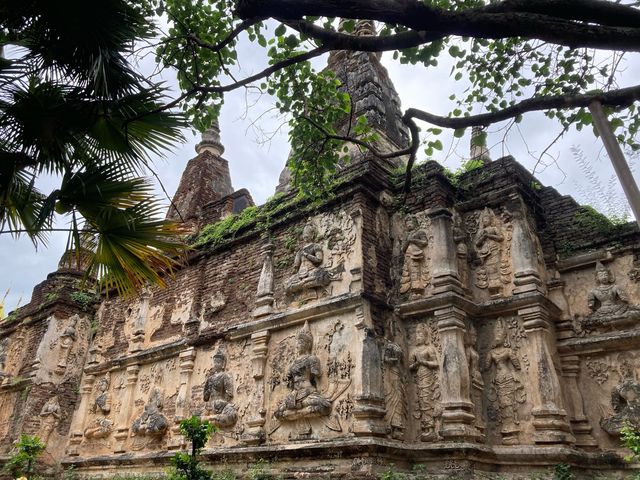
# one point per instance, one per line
(211, 140)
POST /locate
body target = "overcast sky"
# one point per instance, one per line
(257, 147)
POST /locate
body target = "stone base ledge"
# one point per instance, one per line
(347, 457)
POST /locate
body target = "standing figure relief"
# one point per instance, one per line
(415, 270)
(489, 244)
(506, 391)
(425, 366)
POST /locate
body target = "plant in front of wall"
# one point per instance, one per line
(186, 466)
(23, 462)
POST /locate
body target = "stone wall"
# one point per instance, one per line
(444, 329)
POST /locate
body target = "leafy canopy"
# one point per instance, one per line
(73, 106)
(515, 56)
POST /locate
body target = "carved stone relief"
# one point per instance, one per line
(506, 391)
(67, 339)
(152, 424)
(395, 391)
(311, 389)
(49, 419)
(492, 248)
(424, 364)
(461, 237)
(4, 353)
(625, 398)
(100, 426)
(326, 243)
(475, 375)
(415, 268)
(609, 304)
(218, 393)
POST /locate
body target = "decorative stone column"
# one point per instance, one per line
(524, 255)
(580, 425)
(79, 419)
(369, 406)
(549, 416)
(457, 416)
(264, 296)
(444, 258)
(187, 362)
(122, 420)
(255, 433)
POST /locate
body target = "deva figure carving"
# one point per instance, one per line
(396, 414)
(49, 418)
(152, 422)
(4, 352)
(304, 400)
(506, 391)
(625, 399)
(425, 366)
(218, 393)
(489, 244)
(415, 271)
(310, 274)
(608, 301)
(67, 339)
(102, 426)
(475, 376)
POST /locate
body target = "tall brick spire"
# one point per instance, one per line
(205, 179)
(373, 96)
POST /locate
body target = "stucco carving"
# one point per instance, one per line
(506, 391)
(475, 375)
(310, 274)
(415, 268)
(218, 393)
(425, 365)
(608, 302)
(4, 347)
(67, 339)
(460, 237)
(304, 399)
(492, 242)
(625, 398)
(49, 418)
(395, 393)
(152, 424)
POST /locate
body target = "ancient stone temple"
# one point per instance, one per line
(482, 327)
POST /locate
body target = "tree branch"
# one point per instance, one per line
(615, 98)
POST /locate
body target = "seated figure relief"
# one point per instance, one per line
(304, 400)
(218, 393)
(625, 399)
(415, 272)
(152, 422)
(607, 301)
(310, 274)
(102, 426)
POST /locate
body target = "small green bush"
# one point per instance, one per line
(23, 462)
(187, 466)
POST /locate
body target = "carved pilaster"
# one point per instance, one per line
(122, 420)
(444, 262)
(78, 421)
(550, 418)
(457, 416)
(524, 256)
(255, 433)
(580, 425)
(264, 296)
(369, 409)
(187, 362)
